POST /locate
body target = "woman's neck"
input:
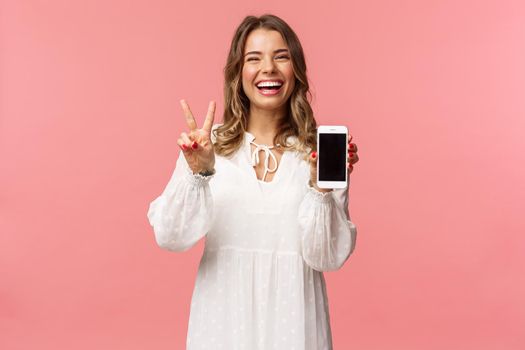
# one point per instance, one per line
(263, 124)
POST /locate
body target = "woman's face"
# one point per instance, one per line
(270, 61)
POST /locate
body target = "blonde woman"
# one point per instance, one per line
(248, 186)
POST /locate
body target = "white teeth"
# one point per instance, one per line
(269, 83)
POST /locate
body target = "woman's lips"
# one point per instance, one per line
(270, 92)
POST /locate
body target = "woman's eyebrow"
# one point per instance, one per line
(259, 52)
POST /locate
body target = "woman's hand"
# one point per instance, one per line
(196, 145)
(351, 159)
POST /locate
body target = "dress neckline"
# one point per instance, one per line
(254, 158)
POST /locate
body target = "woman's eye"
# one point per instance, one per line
(256, 58)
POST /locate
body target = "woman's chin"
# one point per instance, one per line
(269, 105)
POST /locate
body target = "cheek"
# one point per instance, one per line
(248, 75)
(289, 72)
(290, 77)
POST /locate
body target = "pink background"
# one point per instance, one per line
(432, 91)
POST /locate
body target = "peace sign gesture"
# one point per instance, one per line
(196, 145)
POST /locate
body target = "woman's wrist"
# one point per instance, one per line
(205, 172)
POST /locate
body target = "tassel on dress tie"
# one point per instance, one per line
(267, 155)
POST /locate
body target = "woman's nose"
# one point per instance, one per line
(268, 65)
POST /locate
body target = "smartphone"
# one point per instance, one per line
(332, 153)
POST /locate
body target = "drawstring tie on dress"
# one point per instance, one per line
(267, 155)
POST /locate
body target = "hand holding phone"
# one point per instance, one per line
(332, 153)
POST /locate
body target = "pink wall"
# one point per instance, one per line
(433, 92)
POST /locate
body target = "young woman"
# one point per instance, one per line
(248, 186)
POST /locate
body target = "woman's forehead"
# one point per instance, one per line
(264, 40)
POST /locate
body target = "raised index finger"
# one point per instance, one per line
(208, 122)
(189, 116)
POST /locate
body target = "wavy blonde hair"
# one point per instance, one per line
(299, 120)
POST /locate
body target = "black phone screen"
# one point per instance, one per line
(332, 157)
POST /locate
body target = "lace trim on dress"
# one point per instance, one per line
(197, 179)
(323, 197)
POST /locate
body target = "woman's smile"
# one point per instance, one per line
(270, 87)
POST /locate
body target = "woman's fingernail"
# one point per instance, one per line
(314, 154)
(351, 154)
(194, 145)
(184, 147)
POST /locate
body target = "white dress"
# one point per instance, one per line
(260, 284)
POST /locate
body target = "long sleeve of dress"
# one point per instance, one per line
(182, 214)
(328, 235)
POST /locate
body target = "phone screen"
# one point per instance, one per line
(332, 157)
